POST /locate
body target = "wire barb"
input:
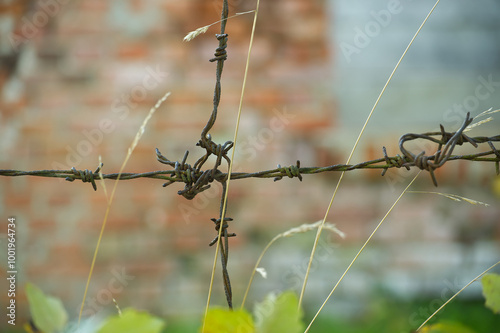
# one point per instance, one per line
(86, 176)
(197, 180)
(224, 227)
(220, 52)
(497, 154)
(393, 162)
(291, 171)
(442, 154)
(186, 173)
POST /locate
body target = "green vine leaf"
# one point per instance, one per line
(48, 312)
(279, 313)
(132, 321)
(228, 321)
(491, 291)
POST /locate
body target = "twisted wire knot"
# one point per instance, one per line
(424, 162)
(220, 52)
(192, 189)
(86, 175)
(194, 180)
(398, 161)
(445, 148)
(219, 150)
(224, 227)
(291, 171)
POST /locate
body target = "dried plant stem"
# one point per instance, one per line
(482, 114)
(453, 197)
(318, 234)
(110, 200)
(289, 233)
(201, 30)
(361, 250)
(456, 294)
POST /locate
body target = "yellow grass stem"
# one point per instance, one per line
(193, 34)
(454, 197)
(456, 294)
(289, 233)
(352, 152)
(138, 136)
(361, 250)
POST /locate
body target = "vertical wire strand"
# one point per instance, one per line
(232, 158)
(204, 132)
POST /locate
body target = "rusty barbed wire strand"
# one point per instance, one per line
(196, 180)
(224, 246)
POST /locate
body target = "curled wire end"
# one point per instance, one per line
(291, 171)
(497, 154)
(168, 183)
(86, 176)
(162, 159)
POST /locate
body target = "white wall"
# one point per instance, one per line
(439, 75)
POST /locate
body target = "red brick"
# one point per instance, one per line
(81, 67)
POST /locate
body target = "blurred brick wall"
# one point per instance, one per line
(77, 81)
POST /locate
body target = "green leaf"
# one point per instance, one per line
(48, 312)
(491, 291)
(278, 313)
(133, 321)
(446, 327)
(228, 321)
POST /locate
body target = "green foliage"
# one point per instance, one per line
(491, 291)
(390, 315)
(228, 321)
(48, 312)
(446, 327)
(132, 321)
(278, 313)
(472, 314)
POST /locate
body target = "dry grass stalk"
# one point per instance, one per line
(193, 34)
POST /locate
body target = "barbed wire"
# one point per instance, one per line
(196, 180)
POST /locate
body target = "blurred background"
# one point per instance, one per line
(78, 78)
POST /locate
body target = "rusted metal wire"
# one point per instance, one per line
(212, 148)
(196, 180)
(85, 176)
(224, 246)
